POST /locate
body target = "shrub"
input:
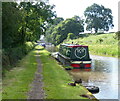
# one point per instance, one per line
(70, 36)
(10, 56)
(117, 35)
(100, 40)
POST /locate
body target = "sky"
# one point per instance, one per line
(69, 8)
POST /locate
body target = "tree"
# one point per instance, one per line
(50, 28)
(36, 17)
(98, 17)
(11, 18)
(24, 22)
(60, 32)
(57, 20)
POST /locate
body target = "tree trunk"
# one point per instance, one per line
(96, 30)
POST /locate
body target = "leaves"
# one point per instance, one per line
(98, 17)
(59, 32)
(24, 22)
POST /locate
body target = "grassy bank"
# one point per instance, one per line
(56, 80)
(103, 44)
(16, 81)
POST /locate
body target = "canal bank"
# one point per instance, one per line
(103, 74)
(19, 80)
(99, 44)
(56, 81)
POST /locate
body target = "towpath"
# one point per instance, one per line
(37, 91)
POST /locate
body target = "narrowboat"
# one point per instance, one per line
(76, 56)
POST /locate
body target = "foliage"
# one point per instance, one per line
(37, 15)
(57, 20)
(11, 18)
(70, 36)
(117, 35)
(50, 28)
(59, 33)
(22, 23)
(98, 17)
(12, 55)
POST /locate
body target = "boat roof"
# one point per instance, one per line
(74, 45)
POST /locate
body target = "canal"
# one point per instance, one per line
(103, 74)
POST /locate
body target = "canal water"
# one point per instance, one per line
(103, 74)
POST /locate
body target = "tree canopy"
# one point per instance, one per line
(58, 33)
(98, 17)
(24, 22)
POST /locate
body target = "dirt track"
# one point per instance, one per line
(37, 91)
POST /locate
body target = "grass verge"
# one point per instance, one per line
(103, 44)
(56, 80)
(17, 80)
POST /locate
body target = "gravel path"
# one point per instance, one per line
(37, 91)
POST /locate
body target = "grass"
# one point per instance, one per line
(103, 44)
(56, 80)
(17, 80)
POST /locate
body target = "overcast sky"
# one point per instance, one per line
(69, 8)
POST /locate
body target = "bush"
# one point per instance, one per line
(28, 46)
(70, 36)
(11, 56)
(100, 40)
(117, 35)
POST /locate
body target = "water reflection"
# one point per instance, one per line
(101, 66)
(104, 74)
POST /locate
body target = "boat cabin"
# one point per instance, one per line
(76, 56)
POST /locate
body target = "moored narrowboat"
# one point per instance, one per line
(76, 56)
